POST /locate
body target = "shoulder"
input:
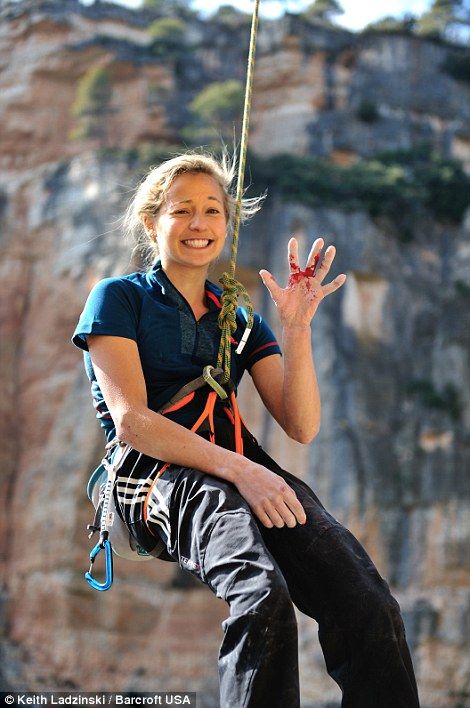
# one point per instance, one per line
(123, 283)
(128, 287)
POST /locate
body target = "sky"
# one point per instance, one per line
(357, 13)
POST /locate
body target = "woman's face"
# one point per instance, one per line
(191, 225)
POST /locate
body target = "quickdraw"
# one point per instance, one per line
(106, 518)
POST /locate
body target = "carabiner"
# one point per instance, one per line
(108, 553)
(206, 373)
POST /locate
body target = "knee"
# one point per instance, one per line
(276, 602)
(383, 614)
(266, 595)
(395, 615)
(272, 612)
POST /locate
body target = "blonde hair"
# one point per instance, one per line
(151, 192)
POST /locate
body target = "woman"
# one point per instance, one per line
(254, 533)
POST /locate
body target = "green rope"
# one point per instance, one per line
(232, 288)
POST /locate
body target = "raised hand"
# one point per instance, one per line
(299, 300)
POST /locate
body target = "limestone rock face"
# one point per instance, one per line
(391, 346)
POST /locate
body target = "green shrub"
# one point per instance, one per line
(231, 16)
(168, 29)
(399, 185)
(168, 36)
(172, 6)
(462, 288)
(323, 10)
(392, 25)
(457, 65)
(92, 104)
(446, 186)
(447, 400)
(93, 93)
(367, 112)
(216, 110)
(219, 102)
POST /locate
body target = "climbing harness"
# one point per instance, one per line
(114, 535)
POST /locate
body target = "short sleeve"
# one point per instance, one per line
(261, 342)
(112, 308)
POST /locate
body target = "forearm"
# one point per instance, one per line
(156, 436)
(301, 395)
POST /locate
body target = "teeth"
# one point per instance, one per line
(197, 243)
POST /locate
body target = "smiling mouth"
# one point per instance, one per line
(197, 242)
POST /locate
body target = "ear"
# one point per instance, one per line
(150, 226)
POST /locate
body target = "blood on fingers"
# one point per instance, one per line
(294, 268)
(297, 275)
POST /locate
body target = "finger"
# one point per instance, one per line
(297, 509)
(316, 248)
(275, 517)
(325, 266)
(293, 253)
(334, 285)
(287, 515)
(264, 518)
(270, 282)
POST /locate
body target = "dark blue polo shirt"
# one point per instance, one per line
(173, 346)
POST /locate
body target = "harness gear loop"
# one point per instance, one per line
(232, 288)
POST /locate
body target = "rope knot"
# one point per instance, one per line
(232, 289)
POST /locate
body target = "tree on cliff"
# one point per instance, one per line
(407, 23)
(231, 16)
(168, 36)
(217, 108)
(92, 104)
(445, 18)
(168, 7)
(323, 10)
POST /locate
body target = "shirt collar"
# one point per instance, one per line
(156, 275)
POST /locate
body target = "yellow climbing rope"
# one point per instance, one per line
(232, 288)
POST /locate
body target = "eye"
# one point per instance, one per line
(213, 210)
(180, 211)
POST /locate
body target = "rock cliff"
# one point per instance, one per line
(391, 348)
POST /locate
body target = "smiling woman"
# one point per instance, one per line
(191, 225)
(163, 199)
(193, 485)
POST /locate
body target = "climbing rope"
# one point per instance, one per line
(232, 288)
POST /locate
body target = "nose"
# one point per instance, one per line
(198, 222)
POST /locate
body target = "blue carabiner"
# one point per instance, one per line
(106, 545)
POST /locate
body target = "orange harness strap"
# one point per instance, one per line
(207, 413)
(180, 403)
(237, 424)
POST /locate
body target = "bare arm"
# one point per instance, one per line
(290, 389)
(118, 370)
